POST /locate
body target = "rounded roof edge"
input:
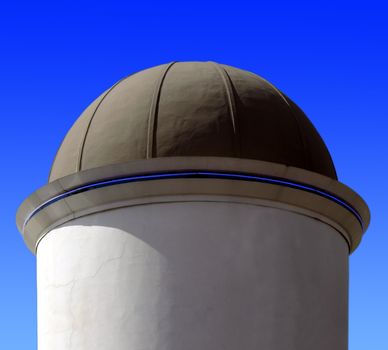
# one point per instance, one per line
(259, 182)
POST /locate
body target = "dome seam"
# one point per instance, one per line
(279, 93)
(306, 149)
(228, 85)
(153, 112)
(81, 151)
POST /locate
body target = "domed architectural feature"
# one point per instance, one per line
(192, 109)
(193, 206)
(207, 128)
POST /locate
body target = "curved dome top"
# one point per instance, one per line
(192, 109)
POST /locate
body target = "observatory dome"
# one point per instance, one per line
(188, 109)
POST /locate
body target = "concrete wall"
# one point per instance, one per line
(193, 276)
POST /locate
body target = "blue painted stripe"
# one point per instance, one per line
(198, 174)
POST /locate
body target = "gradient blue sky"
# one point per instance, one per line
(330, 57)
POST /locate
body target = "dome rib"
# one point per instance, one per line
(227, 82)
(81, 151)
(284, 100)
(153, 114)
(306, 151)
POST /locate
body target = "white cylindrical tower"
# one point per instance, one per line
(193, 206)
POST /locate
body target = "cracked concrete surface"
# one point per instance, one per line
(192, 276)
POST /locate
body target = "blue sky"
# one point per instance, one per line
(330, 57)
